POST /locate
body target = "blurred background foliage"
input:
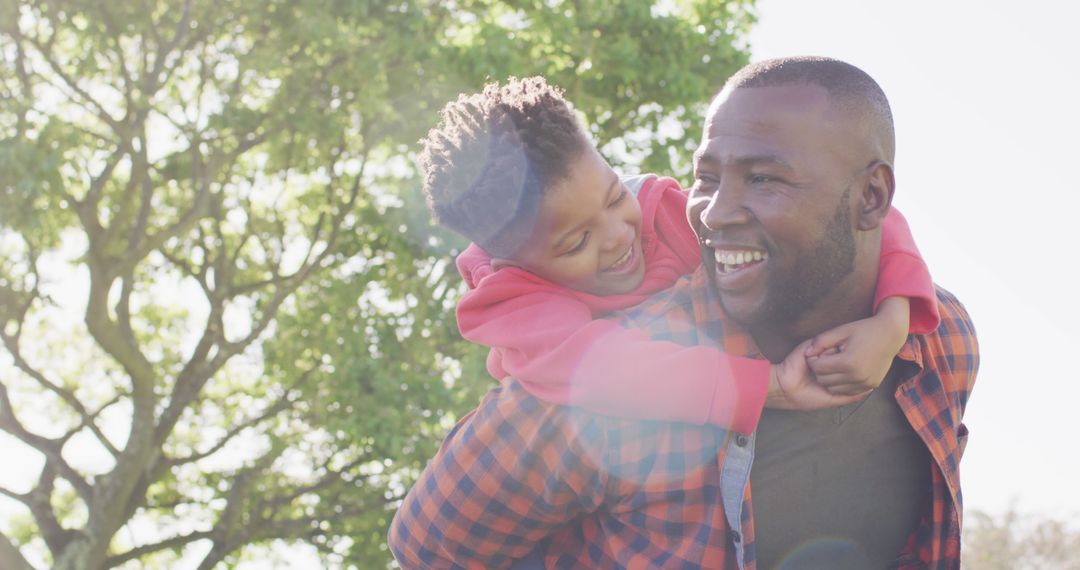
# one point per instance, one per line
(227, 323)
(1016, 540)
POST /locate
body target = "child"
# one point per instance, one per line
(559, 241)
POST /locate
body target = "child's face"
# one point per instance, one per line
(588, 234)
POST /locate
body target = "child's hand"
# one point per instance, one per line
(854, 358)
(792, 386)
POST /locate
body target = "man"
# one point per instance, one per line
(795, 164)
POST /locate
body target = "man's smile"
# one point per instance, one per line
(734, 260)
(737, 266)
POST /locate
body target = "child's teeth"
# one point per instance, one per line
(622, 260)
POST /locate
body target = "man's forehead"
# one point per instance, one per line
(762, 105)
(775, 121)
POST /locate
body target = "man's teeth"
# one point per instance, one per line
(732, 259)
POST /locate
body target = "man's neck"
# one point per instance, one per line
(851, 301)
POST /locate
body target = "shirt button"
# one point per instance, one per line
(741, 440)
(734, 536)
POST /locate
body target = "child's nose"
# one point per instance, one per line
(616, 236)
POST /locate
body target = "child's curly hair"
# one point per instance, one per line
(488, 163)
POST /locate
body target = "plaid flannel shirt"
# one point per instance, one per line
(601, 492)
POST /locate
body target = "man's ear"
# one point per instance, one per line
(876, 197)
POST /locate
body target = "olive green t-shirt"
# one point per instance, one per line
(839, 488)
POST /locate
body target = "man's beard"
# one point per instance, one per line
(791, 294)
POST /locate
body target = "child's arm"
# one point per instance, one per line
(552, 344)
(792, 386)
(560, 354)
(856, 356)
(903, 273)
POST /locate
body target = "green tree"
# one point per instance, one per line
(226, 320)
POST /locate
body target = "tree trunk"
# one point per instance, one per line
(80, 554)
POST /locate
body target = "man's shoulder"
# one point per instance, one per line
(953, 348)
(955, 313)
(956, 331)
(511, 423)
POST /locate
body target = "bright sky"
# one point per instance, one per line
(986, 97)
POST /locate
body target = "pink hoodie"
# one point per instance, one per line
(552, 339)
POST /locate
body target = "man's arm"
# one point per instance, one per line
(508, 475)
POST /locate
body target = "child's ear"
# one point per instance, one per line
(876, 196)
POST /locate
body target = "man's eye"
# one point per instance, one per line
(705, 183)
(761, 179)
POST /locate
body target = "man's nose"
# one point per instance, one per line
(725, 208)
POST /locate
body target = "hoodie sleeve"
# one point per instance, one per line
(903, 273)
(551, 343)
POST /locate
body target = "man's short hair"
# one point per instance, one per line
(847, 85)
(494, 154)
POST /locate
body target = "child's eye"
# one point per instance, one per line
(580, 245)
(622, 194)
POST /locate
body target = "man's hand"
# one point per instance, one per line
(854, 358)
(792, 386)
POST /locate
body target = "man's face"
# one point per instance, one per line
(588, 232)
(772, 200)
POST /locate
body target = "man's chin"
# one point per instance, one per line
(742, 308)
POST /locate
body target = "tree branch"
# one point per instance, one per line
(228, 533)
(46, 53)
(11, 343)
(88, 422)
(331, 478)
(23, 75)
(140, 171)
(167, 544)
(123, 309)
(39, 499)
(195, 374)
(199, 276)
(127, 197)
(20, 497)
(10, 423)
(280, 405)
(114, 36)
(154, 242)
(290, 283)
(107, 334)
(195, 212)
(182, 28)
